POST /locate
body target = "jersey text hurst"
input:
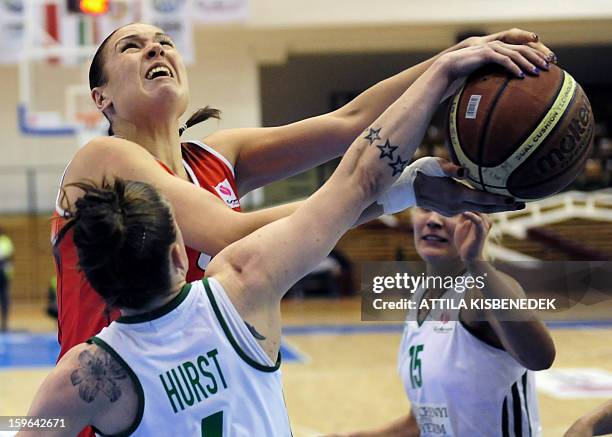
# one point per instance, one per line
(183, 385)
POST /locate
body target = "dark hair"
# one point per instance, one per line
(97, 77)
(123, 232)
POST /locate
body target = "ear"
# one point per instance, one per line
(179, 259)
(100, 99)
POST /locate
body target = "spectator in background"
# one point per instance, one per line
(6, 273)
(52, 297)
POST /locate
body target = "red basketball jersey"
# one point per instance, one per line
(82, 312)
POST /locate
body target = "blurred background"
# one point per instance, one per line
(272, 62)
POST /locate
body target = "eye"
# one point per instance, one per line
(167, 42)
(129, 45)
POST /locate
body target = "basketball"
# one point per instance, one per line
(527, 138)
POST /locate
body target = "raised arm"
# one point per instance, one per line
(527, 340)
(263, 155)
(258, 270)
(595, 422)
(208, 225)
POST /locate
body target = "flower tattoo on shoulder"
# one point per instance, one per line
(98, 372)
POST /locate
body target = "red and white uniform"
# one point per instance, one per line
(82, 312)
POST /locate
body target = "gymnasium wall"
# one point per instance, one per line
(281, 66)
(283, 13)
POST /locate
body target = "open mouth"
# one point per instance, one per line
(435, 238)
(159, 71)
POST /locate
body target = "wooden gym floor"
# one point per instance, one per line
(348, 378)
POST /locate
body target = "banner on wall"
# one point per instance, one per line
(11, 30)
(220, 11)
(175, 18)
(52, 25)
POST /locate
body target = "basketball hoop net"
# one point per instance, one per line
(88, 120)
(89, 124)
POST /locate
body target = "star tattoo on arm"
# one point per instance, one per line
(373, 135)
(97, 372)
(386, 150)
(398, 165)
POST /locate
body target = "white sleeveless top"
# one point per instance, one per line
(190, 373)
(460, 386)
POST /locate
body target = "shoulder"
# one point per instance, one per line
(107, 157)
(101, 386)
(86, 381)
(95, 372)
(226, 142)
(112, 149)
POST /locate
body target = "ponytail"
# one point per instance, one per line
(199, 116)
(122, 231)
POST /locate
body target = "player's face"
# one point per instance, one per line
(146, 76)
(433, 235)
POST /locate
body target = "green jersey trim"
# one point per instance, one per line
(139, 391)
(251, 362)
(157, 312)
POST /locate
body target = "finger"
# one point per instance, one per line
(546, 55)
(462, 228)
(452, 170)
(475, 218)
(525, 57)
(485, 219)
(518, 36)
(480, 220)
(529, 53)
(506, 62)
(525, 64)
(544, 51)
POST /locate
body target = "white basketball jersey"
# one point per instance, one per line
(460, 386)
(192, 377)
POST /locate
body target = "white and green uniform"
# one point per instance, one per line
(197, 369)
(460, 386)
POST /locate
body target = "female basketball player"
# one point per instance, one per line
(466, 370)
(139, 83)
(180, 361)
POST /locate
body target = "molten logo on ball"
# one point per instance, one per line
(531, 137)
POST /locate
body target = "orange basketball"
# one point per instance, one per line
(526, 138)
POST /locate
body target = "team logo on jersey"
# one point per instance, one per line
(442, 328)
(225, 191)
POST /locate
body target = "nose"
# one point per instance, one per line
(434, 221)
(155, 50)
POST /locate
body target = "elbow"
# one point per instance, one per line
(368, 182)
(541, 359)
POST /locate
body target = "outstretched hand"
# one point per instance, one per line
(471, 234)
(517, 59)
(449, 197)
(513, 36)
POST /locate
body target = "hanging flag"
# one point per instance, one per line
(11, 30)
